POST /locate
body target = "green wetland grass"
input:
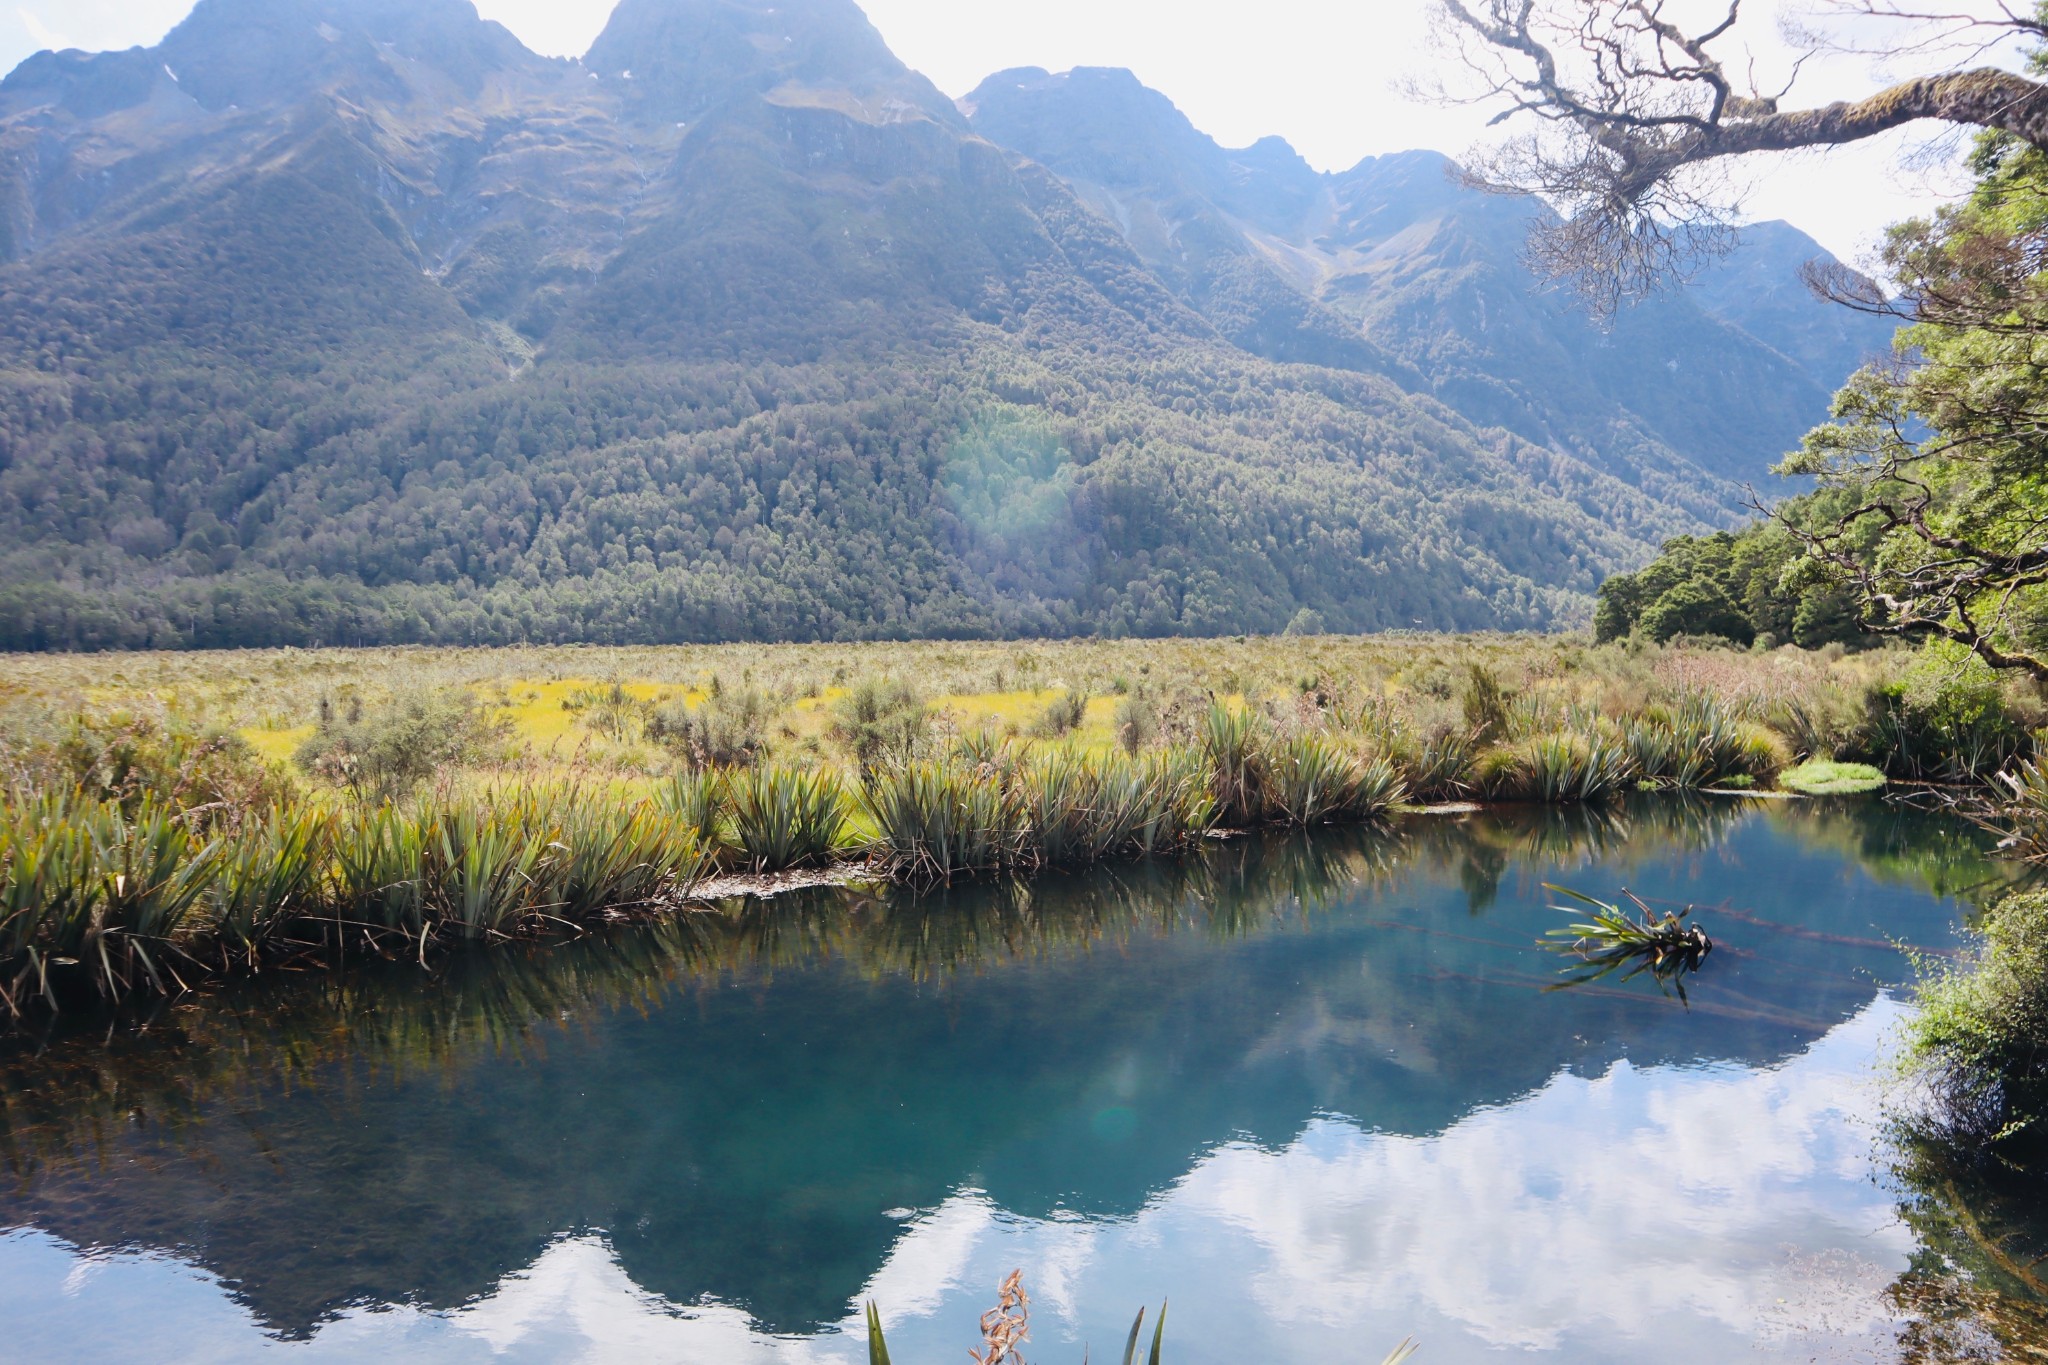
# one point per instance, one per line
(155, 832)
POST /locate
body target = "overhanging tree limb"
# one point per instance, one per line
(1626, 104)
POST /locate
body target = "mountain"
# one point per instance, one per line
(1759, 287)
(1397, 253)
(355, 321)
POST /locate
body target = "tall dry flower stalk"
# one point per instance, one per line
(1006, 1326)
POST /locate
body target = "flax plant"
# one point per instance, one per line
(785, 818)
(939, 820)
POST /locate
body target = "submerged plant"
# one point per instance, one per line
(1611, 938)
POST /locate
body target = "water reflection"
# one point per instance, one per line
(1312, 1088)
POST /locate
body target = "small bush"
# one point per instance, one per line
(389, 751)
(1488, 705)
(1137, 721)
(1948, 718)
(728, 731)
(127, 759)
(609, 711)
(1977, 1040)
(880, 721)
(1062, 717)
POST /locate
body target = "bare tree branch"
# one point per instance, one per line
(1627, 108)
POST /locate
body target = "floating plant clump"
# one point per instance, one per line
(1612, 939)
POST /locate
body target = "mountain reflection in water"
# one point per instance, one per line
(1313, 1089)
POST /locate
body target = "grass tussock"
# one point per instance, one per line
(786, 818)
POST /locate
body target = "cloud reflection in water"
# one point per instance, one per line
(1698, 1213)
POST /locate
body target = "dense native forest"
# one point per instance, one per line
(738, 329)
(1924, 524)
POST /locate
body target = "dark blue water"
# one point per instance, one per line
(1315, 1091)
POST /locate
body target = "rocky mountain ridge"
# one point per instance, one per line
(352, 320)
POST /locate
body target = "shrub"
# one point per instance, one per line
(1488, 705)
(729, 730)
(1062, 717)
(610, 711)
(1137, 721)
(128, 759)
(880, 721)
(1948, 717)
(388, 751)
(1977, 1038)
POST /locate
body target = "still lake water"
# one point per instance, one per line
(1313, 1090)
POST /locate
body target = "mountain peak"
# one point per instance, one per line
(255, 53)
(684, 56)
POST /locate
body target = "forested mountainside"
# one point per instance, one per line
(1396, 253)
(353, 320)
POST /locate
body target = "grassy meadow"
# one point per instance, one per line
(165, 818)
(581, 710)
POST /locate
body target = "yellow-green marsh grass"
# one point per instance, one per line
(272, 695)
(930, 759)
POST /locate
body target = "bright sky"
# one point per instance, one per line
(1321, 73)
